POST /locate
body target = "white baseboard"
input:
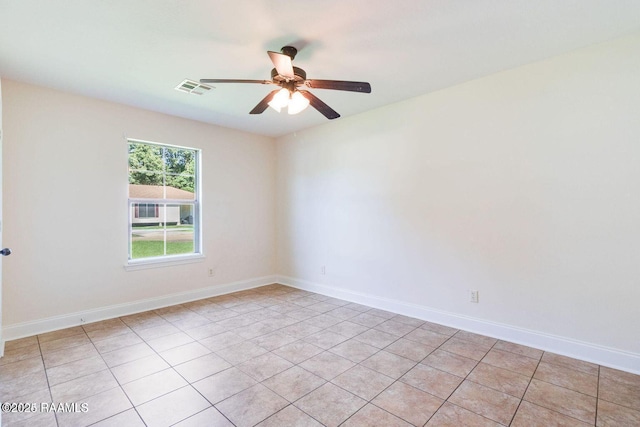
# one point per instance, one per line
(601, 355)
(589, 352)
(40, 326)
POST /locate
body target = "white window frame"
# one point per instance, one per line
(167, 260)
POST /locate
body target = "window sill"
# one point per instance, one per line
(144, 264)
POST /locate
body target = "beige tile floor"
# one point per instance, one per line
(278, 356)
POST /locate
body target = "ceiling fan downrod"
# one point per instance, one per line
(290, 51)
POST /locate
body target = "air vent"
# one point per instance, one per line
(190, 86)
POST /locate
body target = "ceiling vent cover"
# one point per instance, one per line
(191, 86)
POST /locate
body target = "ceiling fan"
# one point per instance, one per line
(291, 81)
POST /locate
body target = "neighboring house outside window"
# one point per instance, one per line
(164, 202)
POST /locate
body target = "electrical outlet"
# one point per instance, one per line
(473, 296)
(212, 271)
(323, 270)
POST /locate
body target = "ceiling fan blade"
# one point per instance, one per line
(262, 105)
(363, 87)
(282, 63)
(316, 103)
(264, 82)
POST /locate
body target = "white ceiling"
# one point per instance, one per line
(136, 51)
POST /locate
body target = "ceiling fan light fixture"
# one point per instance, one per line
(293, 83)
(297, 103)
(280, 100)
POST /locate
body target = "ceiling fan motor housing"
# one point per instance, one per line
(299, 76)
(290, 51)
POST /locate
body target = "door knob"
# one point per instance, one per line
(5, 252)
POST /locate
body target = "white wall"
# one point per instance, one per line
(65, 192)
(524, 185)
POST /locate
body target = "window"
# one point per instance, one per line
(164, 202)
(146, 210)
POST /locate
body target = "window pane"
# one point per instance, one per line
(186, 214)
(145, 164)
(147, 236)
(145, 185)
(180, 171)
(169, 232)
(180, 187)
(180, 238)
(179, 161)
(157, 172)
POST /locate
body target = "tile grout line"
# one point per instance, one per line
(420, 362)
(172, 367)
(324, 350)
(463, 379)
(233, 366)
(294, 365)
(239, 314)
(114, 377)
(398, 379)
(325, 380)
(135, 408)
(526, 389)
(120, 385)
(84, 332)
(155, 350)
(55, 414)
(370, 401)
(565, 388)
